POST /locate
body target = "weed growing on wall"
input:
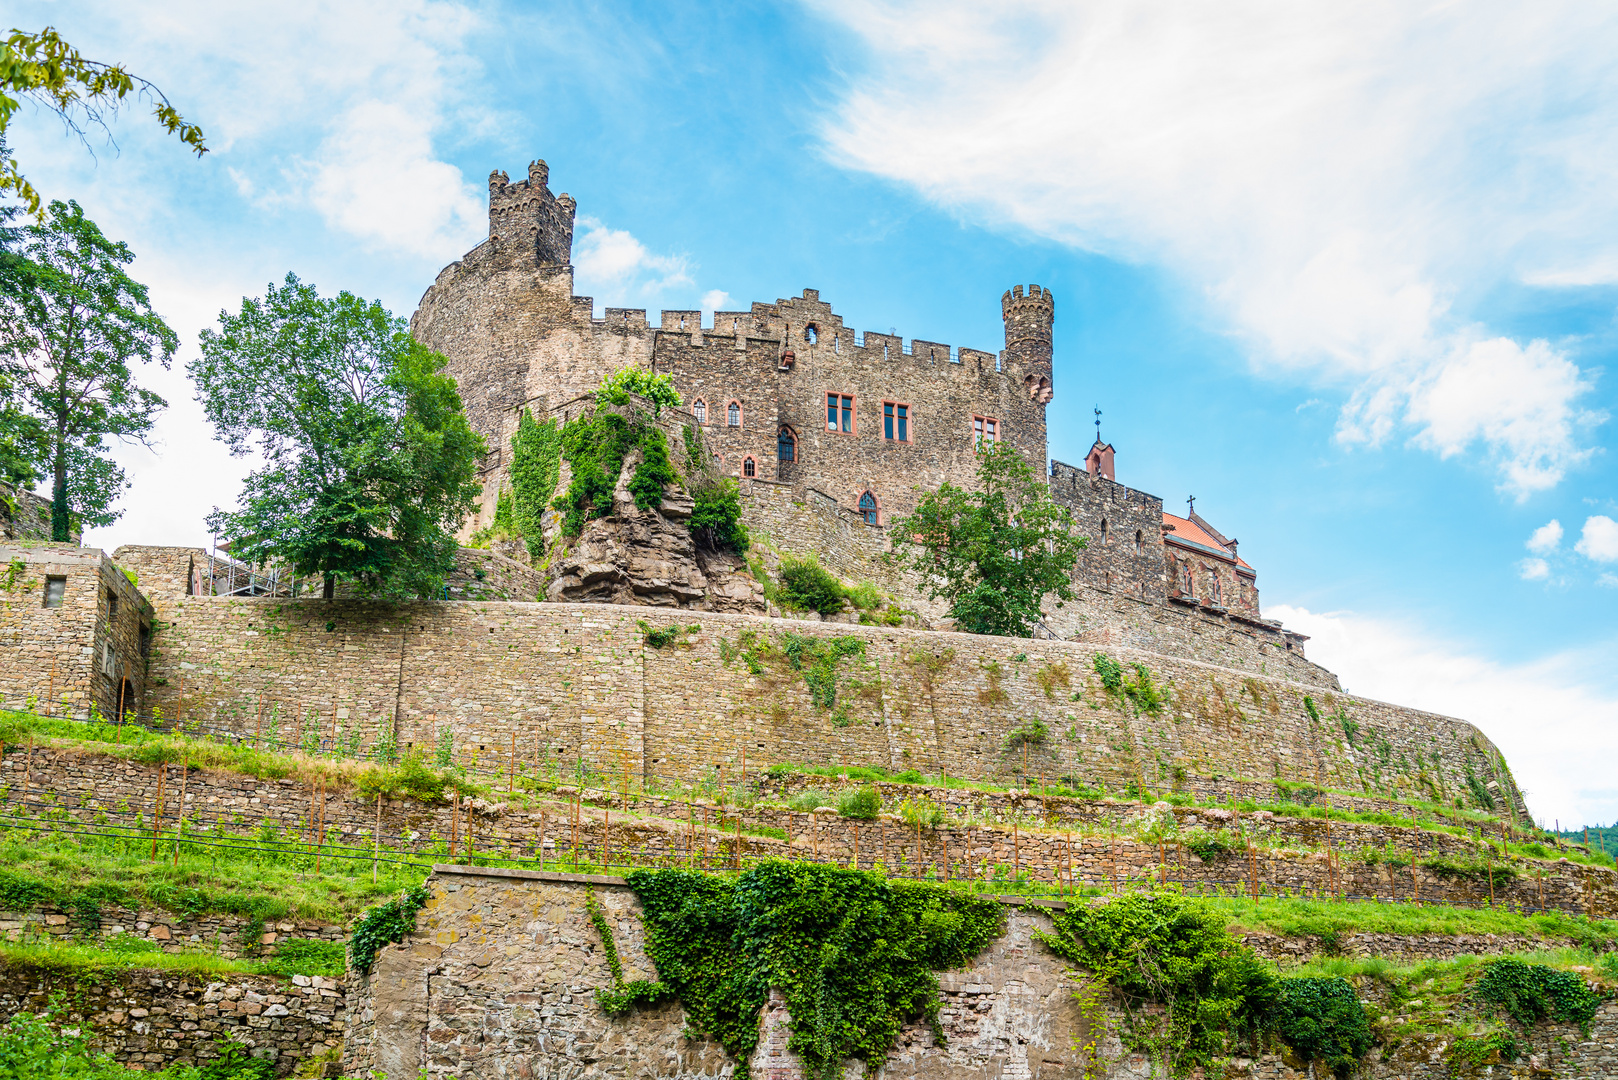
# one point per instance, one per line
(860, 804)
(817, 660)
(853, 952)
(1139, 691)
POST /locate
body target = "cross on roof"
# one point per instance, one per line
(1191, 503)
(1098, 423)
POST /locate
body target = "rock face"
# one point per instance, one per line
(648, 557)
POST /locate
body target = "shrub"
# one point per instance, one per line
(716, 521)
(1323, 1020)
(808, 586)
(1529, 993)
(861, 804)
(654, 473)
(921, 811)
(654, 386)
(866, 597)
(810, 799)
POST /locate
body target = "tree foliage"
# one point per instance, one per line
(994, 552)
(71, 321)
(43, 68)
(370, 465)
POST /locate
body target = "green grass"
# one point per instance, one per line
(52, 956)
(1301, 918)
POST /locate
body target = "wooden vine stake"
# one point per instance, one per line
(258, 730)
(320, 829)
(511, 781)
(454, 811)
(50, 688)
(157, 806)
(376, 856)
(179, 821)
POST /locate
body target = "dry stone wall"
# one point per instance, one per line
(24, 516)
(152, 1020)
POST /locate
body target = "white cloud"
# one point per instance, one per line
(1553, 718)
(613, 264)
(1533, 570)
(715, 300)
(1599, 540)
(1608, 581)
(1337, 179)
(1545, 538)
(377, 178)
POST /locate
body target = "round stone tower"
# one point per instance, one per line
(1028, 318)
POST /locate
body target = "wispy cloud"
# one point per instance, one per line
(611, 263)
(1336, 180)
(1555, 719)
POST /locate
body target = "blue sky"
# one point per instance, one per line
(1347, 275)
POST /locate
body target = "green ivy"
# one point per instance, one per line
(1144, 694)
(594, 445)
(536, 462)
(1323, 1020)
(817, 659)
(654, 386)
(1471, 1052)
(384, 925)
(1529, 993)
(1158, 948)
(623, 996)
(853, 953)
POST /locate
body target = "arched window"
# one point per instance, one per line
(733, 414)
(699, 409)
(1140, 543)
(749, 468)
(810, 334)
(868, 508)
(1218, 593)
(1103, 532)
(1187, 585)
(786, 445)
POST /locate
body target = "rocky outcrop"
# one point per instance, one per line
(648, 557)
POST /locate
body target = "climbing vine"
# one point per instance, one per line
(853, 952)
(536, 461)
(1529, 993)
(1140, 691)
(817, 659)
(623, 996)
(383, 925)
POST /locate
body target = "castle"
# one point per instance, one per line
(787, 395)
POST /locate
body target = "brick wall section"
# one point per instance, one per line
(154, 1019)
(70, 640)
(497, 980)
(578, 680)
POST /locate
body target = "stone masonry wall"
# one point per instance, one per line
(579, 681)
(59, 653)
(23, 515)
(497, 981)
(154, 1019)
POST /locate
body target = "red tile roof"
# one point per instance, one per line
(1189, 531)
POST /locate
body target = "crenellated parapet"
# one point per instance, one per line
(526, 213)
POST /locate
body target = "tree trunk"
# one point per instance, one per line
(61, 522)
(331, 587)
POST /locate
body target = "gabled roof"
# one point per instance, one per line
(1188, 533)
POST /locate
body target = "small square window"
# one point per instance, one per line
(985, 430)
(895, 421)
(109, 659)
(55, 587)
(112, 605)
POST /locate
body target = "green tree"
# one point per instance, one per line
(370, 465)
(994, 552)
(47, 70)
(71, 320)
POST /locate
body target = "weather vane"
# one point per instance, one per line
(1098, 423)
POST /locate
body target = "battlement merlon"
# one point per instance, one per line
(526, 213)
(1029, 317)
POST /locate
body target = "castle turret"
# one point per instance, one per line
(527, 213)
(1028, 337)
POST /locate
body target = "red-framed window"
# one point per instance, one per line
(699, 409)
(985, 429)
(840, 413)
(869, 509)
(733, 414)
(749, 467)
(786, 445)
(896, 421)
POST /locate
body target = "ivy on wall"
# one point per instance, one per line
(536, 462)
(853, 953)
(383, 925)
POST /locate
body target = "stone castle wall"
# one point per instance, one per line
(581, 681)
(497, 980)
(24, 516)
